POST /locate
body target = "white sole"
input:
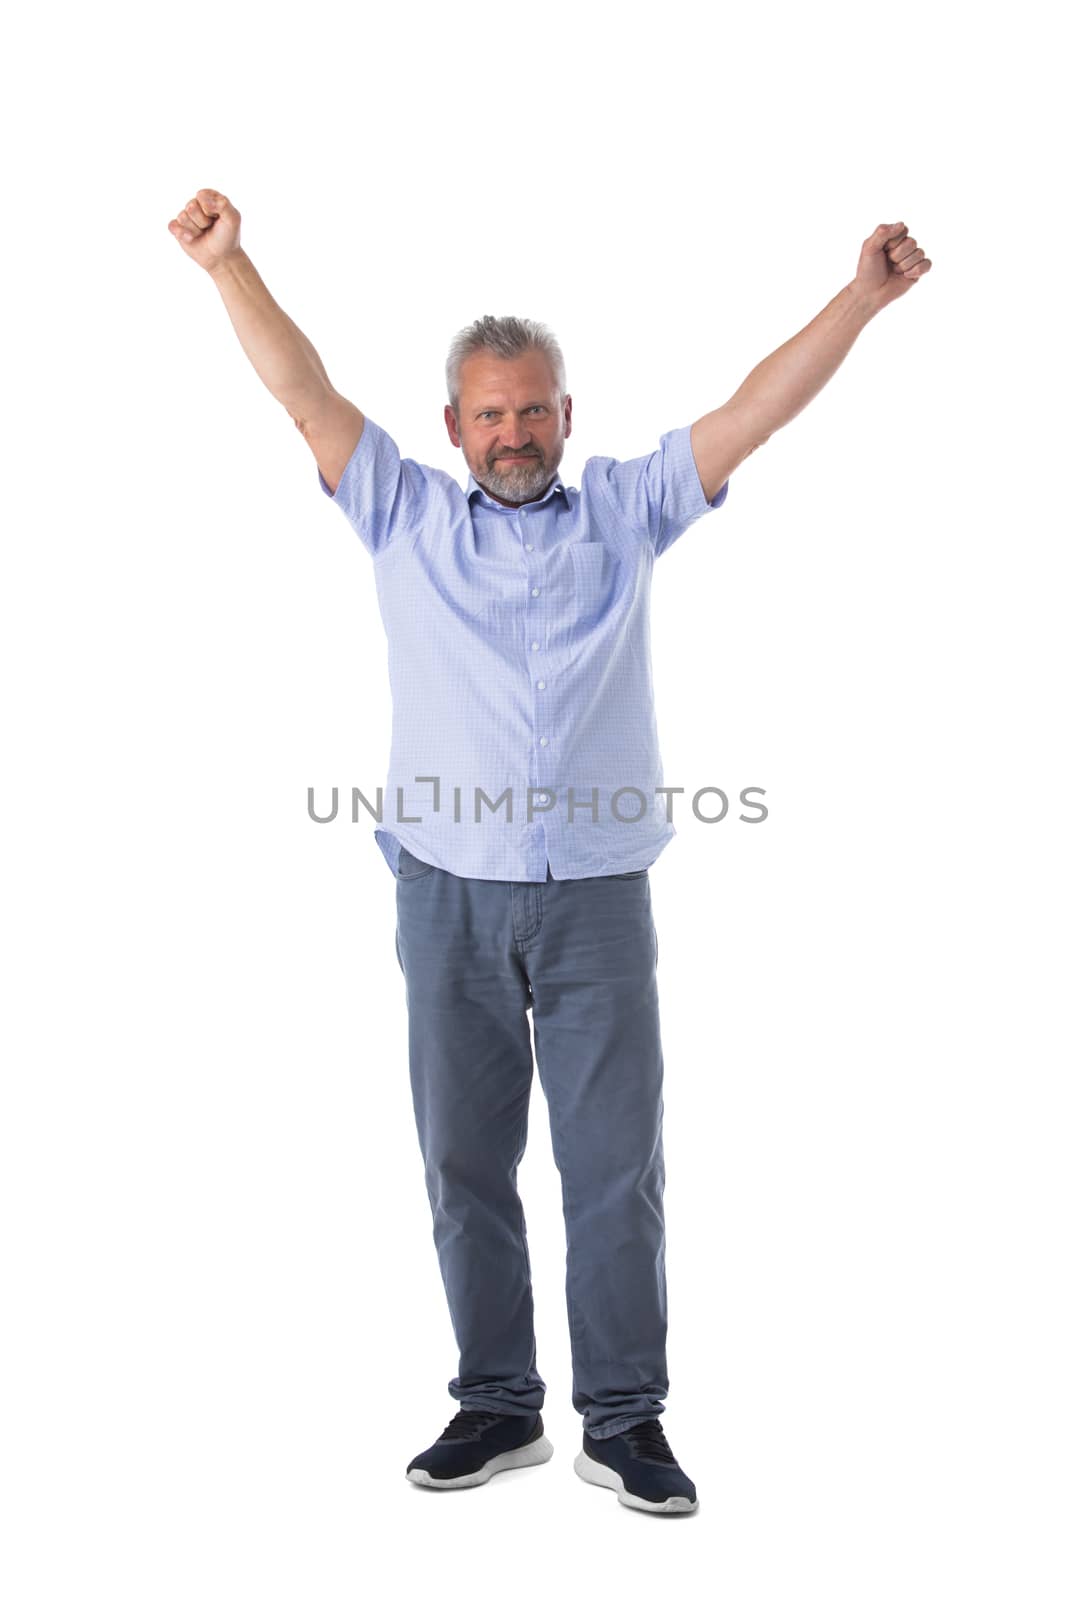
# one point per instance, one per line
(528, 1455)
(607, 1478)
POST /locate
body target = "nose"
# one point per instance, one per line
(517, 438)
(520, 444)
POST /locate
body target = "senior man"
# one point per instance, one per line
(523, 812)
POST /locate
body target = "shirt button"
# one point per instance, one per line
(535, 591)
(535, 645)
(543, 739)
(540, 683)
(529, 547)
(542, 799)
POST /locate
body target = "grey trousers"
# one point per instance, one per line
(580, 955)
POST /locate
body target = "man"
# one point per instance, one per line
(523, 814)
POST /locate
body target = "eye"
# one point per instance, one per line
(482, 414)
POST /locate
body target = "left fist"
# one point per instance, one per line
(890, 262)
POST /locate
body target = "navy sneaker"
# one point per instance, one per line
(639, 1465)
(478, 1443)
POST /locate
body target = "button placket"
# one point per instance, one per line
(535, 645)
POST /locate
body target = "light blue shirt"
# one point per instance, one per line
(519, 660)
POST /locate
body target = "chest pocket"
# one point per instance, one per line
(596, 578)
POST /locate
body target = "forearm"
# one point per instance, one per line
(285, 359)
(783, 383)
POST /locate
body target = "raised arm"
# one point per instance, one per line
(208, 230)
(781, 386)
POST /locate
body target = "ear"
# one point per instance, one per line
(451, 425)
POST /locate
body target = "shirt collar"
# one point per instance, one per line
(555, 487)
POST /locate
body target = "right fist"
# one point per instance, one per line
(208, 229)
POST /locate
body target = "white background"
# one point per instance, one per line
(225, 1333)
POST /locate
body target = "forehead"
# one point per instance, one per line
(485, 376)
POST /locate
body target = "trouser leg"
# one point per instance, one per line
(591, 956)
(471, 1067)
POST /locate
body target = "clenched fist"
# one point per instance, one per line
(890, 263)
(208, 229)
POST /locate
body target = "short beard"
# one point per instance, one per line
(520, 483)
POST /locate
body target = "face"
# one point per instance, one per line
(511, 424)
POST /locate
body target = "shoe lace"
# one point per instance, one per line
(466, 1424)
(650, 1442)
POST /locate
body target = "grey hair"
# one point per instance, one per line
(506, 337)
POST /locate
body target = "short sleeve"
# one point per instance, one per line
(382, 496)
(659, 495)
